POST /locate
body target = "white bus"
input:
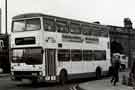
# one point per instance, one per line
(50, 48)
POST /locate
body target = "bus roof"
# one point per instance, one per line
(33, 15)
(28, 15)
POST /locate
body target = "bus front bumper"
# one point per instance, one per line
(19, 75)
(32, 75)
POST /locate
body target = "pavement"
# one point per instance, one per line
(105, 84)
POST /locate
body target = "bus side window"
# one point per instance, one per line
(86, 30)
(96, 33)
(99, 55)
(76, 55)
(61, 26)
(104, 33)
(49, 25)
(63, 55)
(87, 55)
(33, 24)
(75, 28)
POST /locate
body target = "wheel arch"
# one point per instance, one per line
(98, 68)
(63, 70)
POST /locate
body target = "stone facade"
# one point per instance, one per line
(123, 41)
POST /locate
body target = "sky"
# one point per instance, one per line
(108, 12)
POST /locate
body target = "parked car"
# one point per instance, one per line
(123, 60)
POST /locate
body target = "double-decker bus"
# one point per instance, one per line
(50, 48)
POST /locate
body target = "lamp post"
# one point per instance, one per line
(128, 26)
(6, 17)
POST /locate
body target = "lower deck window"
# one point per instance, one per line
(63, 55)
(87, 55)
(78, 55)
(99, 55)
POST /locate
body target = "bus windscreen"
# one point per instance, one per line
(29, 56)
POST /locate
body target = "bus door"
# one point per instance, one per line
(50, 62)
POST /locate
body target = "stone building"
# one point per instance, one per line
(123, 41)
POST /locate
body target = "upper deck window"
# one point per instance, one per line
(61, 26)
(26, 25)
(96, 33)
(86, 30)
(104, 33)
(33, 24)
(99, 31)
(49, 25)
(75, 28)
(18, 25)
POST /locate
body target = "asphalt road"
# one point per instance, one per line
(7, 84)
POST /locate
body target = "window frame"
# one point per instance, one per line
(88, 29)
(13, 25)
(67, 53)
(65, 23)
(26, 23)
(79, 28)
(23, 51)
(89, 55)
(72, 57)
(52, 26)
(99, 51)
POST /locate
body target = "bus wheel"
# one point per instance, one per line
(98, 73)
(63, 77)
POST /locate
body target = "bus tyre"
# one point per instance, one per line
(98, 73)
(63, 77)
